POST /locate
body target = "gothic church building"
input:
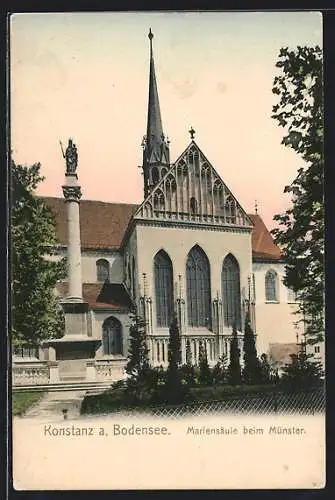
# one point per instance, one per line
(188, 248)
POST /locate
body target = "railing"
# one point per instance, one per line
(110, 369)
(30, 373)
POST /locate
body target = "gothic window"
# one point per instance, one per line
(231, 292)
(163, 288)
(102, 270)
(163, 171)
(271, 286)
(112, 336)
(198, 288)
(193, 206)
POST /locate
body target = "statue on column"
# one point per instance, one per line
(71, 157)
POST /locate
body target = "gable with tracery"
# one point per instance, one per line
(192, 190)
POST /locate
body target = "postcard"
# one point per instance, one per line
(167, 238)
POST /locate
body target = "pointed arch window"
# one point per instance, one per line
(271, 286)
(102, 270)
(112, 336)
(163, 288)
(198, 288)
(231, 293)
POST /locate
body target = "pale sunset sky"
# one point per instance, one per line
(85, 75)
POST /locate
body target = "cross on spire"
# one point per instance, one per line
(256, 207)
(192, 132)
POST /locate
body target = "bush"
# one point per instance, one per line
(221, 392)
(302, 373)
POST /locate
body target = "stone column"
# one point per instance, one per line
(72, 195)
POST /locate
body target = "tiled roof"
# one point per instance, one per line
(102, 295)
(263, 246)
(280, 353)
(103, 226)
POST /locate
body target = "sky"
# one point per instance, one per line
(85, 76)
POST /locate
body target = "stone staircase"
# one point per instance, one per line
(53, 404)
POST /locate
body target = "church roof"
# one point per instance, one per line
(156, 149)
(263, 246)
(111, 296)
(103, 226)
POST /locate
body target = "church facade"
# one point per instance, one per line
(188, 249)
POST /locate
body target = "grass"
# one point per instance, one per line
(22, 401)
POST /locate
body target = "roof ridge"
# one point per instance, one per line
(93, 201)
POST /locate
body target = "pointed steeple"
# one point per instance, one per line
(156, 155)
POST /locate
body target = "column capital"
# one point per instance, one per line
(72, 193)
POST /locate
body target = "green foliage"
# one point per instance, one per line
(220, 371)
(188, 353)
(174, 351)
(138, 350)
(302, 373)
(175, 391)
(301, 228)
(140, 375)
(251, 369)
(22, 401)
(36, 311)
(265, 371)
(234, 369)
(188, 375)
(205, 373)
(222, 392)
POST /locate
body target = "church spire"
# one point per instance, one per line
(156, 149)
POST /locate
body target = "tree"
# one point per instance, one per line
(36, 311)
(175, 392)
(220, 372)
(301, 228)
(187, 371)
(302, 373)
(265, 370)
(138, 360)
(205, 375)
(251, 369)
(174, 351)
(234, 368)
(141, 379)
(188, 353)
